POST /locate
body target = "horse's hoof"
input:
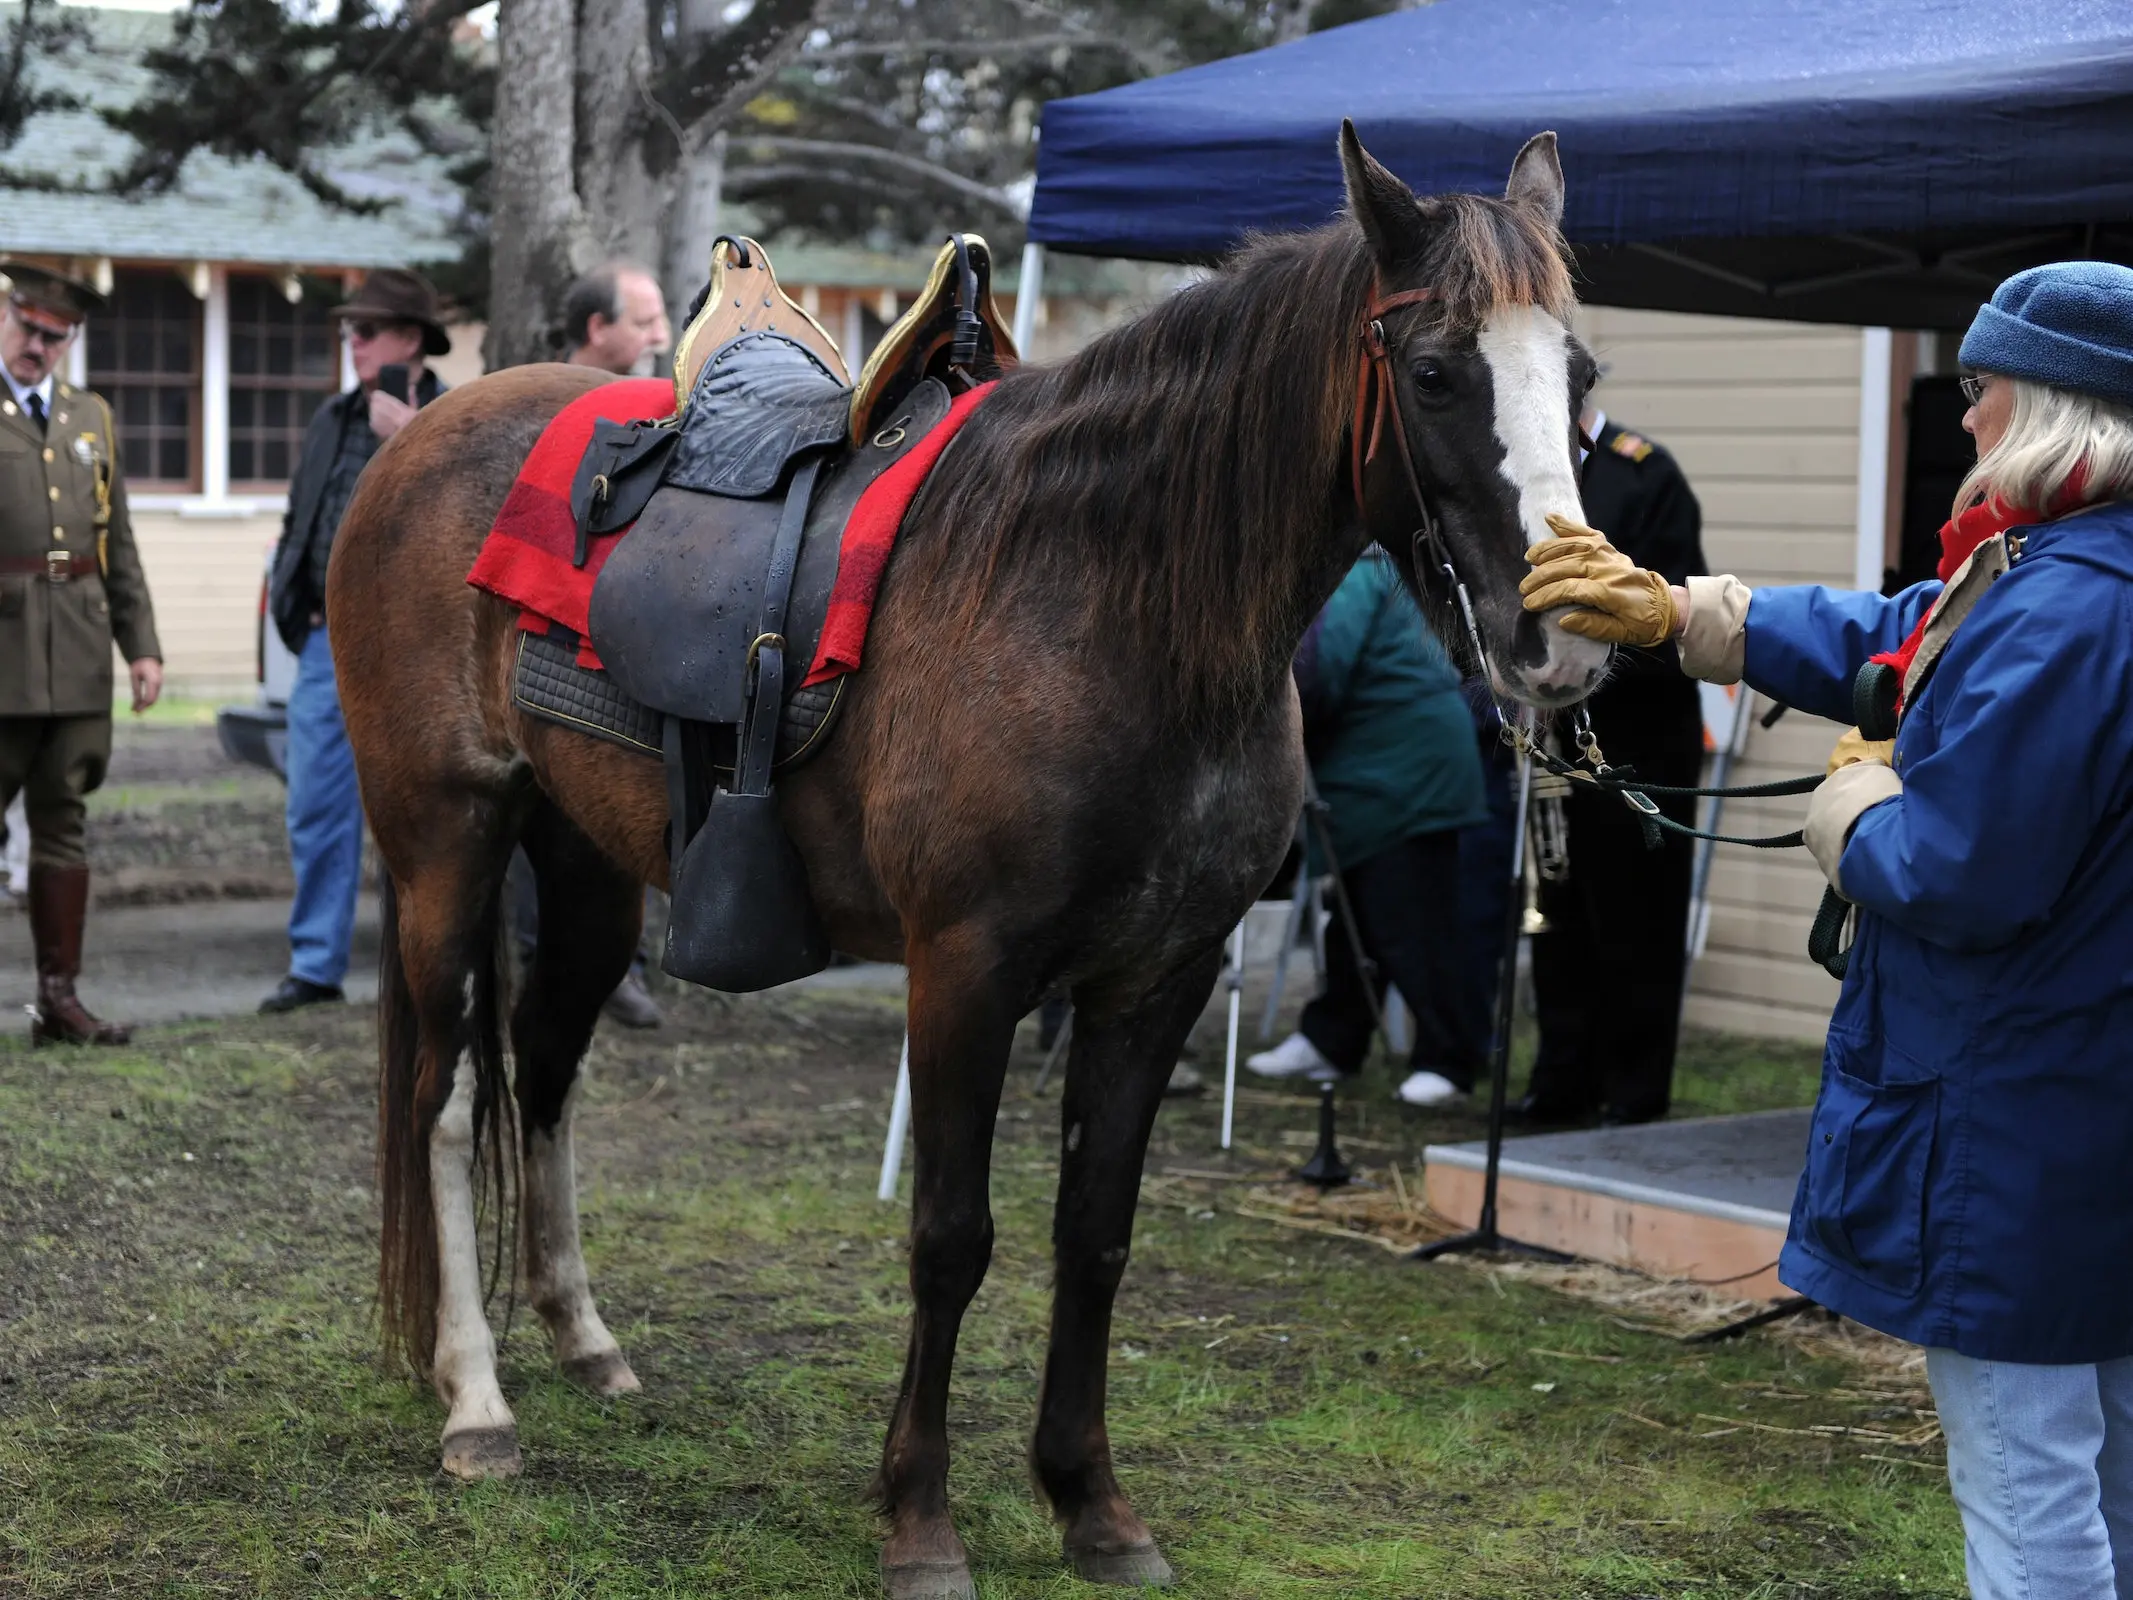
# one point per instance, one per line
(605, 1372)
(928, 1580)
(476, 1453)
(1131, 1566)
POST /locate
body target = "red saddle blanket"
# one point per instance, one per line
(526, 557)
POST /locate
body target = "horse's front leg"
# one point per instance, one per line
(556, 1279)
(1117, 1068)
(961, 1025)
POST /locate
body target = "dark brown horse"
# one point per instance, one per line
(1073, 758)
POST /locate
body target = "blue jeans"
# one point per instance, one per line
(325, 821)
(2041, 1461)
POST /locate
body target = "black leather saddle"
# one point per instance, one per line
(709, 613)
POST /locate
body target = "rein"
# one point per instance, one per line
(1376, 395)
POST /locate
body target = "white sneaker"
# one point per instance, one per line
(1430, 1089)
(1294, 1057)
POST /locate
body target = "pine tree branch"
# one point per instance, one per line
(706, 86)
(1028, 44)
(917, 167)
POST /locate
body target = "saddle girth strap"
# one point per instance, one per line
(766, 656)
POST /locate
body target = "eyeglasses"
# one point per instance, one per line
(366, 331)
(1973, 387)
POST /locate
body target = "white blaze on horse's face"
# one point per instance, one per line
(1528, 356)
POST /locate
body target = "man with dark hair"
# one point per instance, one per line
(70, 585)
(615, 318)
(392, 323)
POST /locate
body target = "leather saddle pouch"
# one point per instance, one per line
(616, 476)
(744, 919)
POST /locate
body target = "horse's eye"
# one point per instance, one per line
(1592, 380)
(1431, 378)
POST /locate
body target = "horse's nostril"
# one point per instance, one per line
(1529, 642)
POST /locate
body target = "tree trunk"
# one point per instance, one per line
(1292, 19)
(587, 164)
(538, 232)
(695, 224)
(619, 129)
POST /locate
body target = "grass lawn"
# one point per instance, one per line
(191, 1402)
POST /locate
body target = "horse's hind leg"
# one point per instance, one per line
(447, 985)
(1119, 1063)
(590, 915)
(962, 1022)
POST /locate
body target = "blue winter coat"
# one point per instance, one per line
(1969, 1178)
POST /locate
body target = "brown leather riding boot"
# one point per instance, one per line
(59, 904)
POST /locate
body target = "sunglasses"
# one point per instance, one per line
(39, 333)
(367, 330)
(1973, 387)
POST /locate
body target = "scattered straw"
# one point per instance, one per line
(1380, 1209)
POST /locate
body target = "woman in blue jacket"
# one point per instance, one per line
(1969, 1179)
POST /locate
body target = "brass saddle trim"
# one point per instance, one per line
(914, 342)
(744, 297)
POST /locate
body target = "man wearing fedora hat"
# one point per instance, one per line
(70, 585)
(393, 320)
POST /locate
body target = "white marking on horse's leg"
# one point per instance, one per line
(555, 1264)
(480, 1438)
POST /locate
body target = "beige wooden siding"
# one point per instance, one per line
(1764, 419)
(204, 574)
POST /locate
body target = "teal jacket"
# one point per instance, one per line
(1389, 736)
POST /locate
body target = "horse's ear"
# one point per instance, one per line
(1537, 180)
(1390, 216)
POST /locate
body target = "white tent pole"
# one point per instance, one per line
(1029, 295)
(1236, 1001)
(892, 1153)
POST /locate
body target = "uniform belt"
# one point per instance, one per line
(56, 565)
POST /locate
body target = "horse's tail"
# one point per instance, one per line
(410, 1101)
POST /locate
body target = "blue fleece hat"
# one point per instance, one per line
(2069, 325)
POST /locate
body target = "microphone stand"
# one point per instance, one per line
(1485, 1234)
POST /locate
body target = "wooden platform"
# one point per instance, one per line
(1705, 1199)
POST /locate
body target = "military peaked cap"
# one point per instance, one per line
(51, 291)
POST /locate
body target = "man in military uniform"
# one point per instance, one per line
(70, 584)
(1607, 974)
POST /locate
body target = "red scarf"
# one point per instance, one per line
(1959, 538)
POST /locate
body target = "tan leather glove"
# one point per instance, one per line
(1617, 601)
(1856, 747)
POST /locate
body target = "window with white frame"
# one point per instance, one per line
(285, 362)
(144, 357)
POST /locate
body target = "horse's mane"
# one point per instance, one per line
(1157, 478)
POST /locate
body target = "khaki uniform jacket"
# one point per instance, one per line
(63, 490)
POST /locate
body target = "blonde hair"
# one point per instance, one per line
(2051, 432)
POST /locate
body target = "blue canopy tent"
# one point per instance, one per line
(1860, 161)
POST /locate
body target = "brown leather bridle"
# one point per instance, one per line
(1375, 394)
